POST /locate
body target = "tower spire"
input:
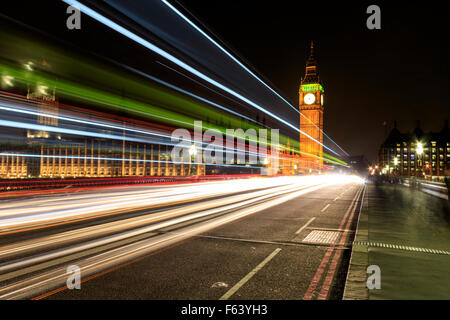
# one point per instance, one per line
(311, 74)
(311, 52)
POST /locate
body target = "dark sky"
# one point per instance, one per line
(400, 72)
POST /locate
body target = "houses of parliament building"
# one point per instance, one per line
(44, 154)
(39, 152)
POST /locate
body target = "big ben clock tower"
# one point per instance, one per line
(311, 95)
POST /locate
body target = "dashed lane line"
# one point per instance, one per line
(305, 225)
(244, 280)
(325, 208)
(399, 247)
(315, 281)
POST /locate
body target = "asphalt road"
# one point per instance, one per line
(247, 244)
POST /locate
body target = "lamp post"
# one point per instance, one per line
(7, 81)
(396, 165)
(429, 170)
(192, 150)
(192, 153)
(419, 151)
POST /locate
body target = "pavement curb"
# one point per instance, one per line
(355, 284)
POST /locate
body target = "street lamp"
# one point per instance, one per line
(29, 65)
(42, 89)
(192, 150)
(429, 171)
(419, 151)
(7, 81)
(395, 171)
(419, 148)
(192, 153)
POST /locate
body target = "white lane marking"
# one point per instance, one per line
(305, 225)
(399, 247)
(342, 193)
(164, 224)
(236, 287)
(34, 285)
(325, 208)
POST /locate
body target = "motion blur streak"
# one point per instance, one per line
(243, 66)
(18, 109)
(225, 51)
(189, 94)
(95, 15)
(26, 213)
(33, 266)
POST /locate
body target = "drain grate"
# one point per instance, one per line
(323, 237)
(399, 247)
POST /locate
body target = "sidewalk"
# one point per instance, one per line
(407, 234)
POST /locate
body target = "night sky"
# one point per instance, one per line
(400, 72)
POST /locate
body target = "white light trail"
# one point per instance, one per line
(23, 125)
(99, 247)
(95, 15)
(243, 66)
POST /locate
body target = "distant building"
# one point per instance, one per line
(45, 154)
(358, 164)
(416, 154)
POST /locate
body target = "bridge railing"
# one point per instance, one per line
(437, 189)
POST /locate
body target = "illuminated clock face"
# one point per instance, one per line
(309, 98)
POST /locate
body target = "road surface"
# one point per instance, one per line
(267, 238)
